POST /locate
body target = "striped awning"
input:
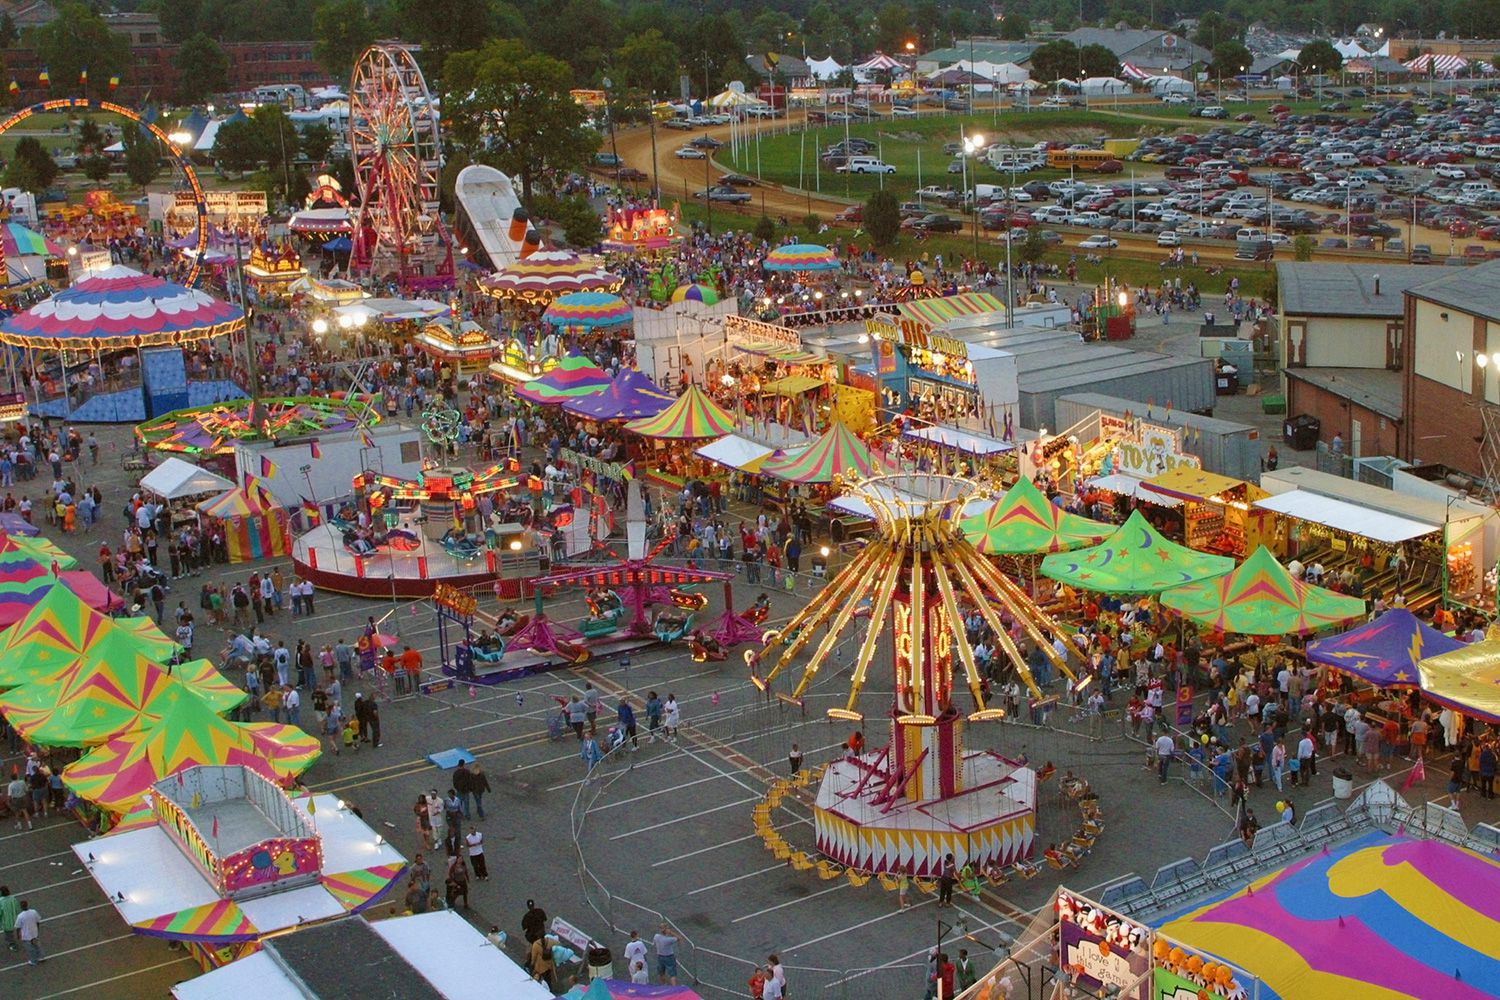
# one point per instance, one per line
(937, 311)
(1131, 72)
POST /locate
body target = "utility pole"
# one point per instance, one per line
(655, 173)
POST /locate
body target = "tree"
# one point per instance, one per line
(1214, 28)
(1097, 60)
(1035, 247)
(1319, 57)
(202, 69)
(444, 27)
(8, 33)
(579, 33)
(882, 217)
(278, 139)
(772, 31)
(648, 62)
(239, 146)
(893, 28)
(580, 224)
(1055, 61)
(765, 229)
(142, 156)
(77, 39)
(1014, 27)
(90, 136)
(1302, 247)
(341, 30)
(713, 51)
(316, 141)
(1230, 59)
(510, 107)
(30, 169)
(96, 169)
(179, 18)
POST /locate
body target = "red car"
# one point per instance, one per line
(1460, 227)
(854, 213)
(1279, 109)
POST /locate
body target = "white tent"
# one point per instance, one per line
(733, 99)
(825, 69)
(1001, 73)
(1284, 83)
(174, 479)
(1105, 86)
(1349, 49)
(1169, 85)
(209, 135)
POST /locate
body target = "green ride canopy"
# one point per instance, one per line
(1025, 522)
(1261, 598)
(837, 452)
(1134, 560)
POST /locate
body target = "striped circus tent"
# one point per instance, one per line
(575, 375)
(692, 418)
(60, 628)
(1025, 522)
(253, 528)
(837, 452)
(1133, 73)
(801, 257)
(935, 311)
(1437, 65)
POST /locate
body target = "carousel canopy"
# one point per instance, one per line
(121, 307)
(61, 629)
(1466, 679)
(588, 310)
(1259, 597)
(320, 220)
(629, 397)
(18, 241)
(95, 700)
(574, 376)
(1134, 560)
(692, 418)
(801, 257)
(706, 294)
(1384, 652)
(836, 452)
(115, 775)
(1025, 522)
(393, 310)
(545, 275)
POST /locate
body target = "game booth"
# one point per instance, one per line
(254, 525)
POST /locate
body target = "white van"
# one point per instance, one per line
(1343, 159)
(1474, 187)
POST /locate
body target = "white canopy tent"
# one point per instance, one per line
(730, 99)
(739, 452)
(174, 479)
(965, 441)
(999, 73)
(393, 310)
(825, 69)
(1169, 85)
(1344, 516)
(1129, 486)
(1104, 86)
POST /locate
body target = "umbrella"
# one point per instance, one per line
(121, 307)
(801, 257)
(339, 244)
(386, 641)
(94, 701)
(693, 417)
(588, 310)
(545, 275)
(574, 376)
(630, 396)
(18, 241)
(1025, 522)
(189, 733)
(707, 294)
(1134, 560)
(1384, 652)
(1259, 597)
(837, 452)
(61, 629)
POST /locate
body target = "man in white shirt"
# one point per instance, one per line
(635, 954)
(1164, 749)
(1305, 752)
(29, 927)
(475, 842)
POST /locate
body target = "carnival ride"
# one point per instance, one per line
(903, 806)
(215, 429)
(395, 144)
(491, 206)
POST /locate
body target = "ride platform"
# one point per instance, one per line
(518, 663)
(319, 555)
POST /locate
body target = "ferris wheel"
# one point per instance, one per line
(396, 148)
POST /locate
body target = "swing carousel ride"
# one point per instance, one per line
(903, 806)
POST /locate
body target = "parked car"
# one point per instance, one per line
(630, 174)
(1098, 241)
(723, 192)
(865, 165)
(938, 224)
(690, 153)
(737, 180)
(706, 142)
(1168, 238)
(854, 213)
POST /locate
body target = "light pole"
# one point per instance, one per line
(972, 144)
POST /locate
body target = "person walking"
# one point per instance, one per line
(635, 952)
(653, 714)
(1487, 762)
(626, 717)
(794, 759)
(1307, 758)
(673, 716)
(578, 714)
(1165, 747)
(591, 707)
(374, 718)
(29, 927)
(591, 756)
(462, 785)
(10, 908)
(475, 844)
(479, 783)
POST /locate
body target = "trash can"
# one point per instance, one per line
(601, 962)
(1301, 432)
(1343, 784)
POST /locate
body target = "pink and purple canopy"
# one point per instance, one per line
(1384, 652)
(573, 377)
(121, 307)
(629, 397)
(619, 989)
(801, 257)
(19, 241)
(588, 310)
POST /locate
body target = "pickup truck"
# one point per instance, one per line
(937, 224)
(724, 192)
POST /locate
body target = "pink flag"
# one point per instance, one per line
(1418, 773)
(216, 826)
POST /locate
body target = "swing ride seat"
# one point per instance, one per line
(1092, 828)
(855, 878)
(1027, 869)
(801, 861)
(802, 778)
(1057, 863)
(996, 877)
(827, 870)
(925, 885)
(782, 851)
(890, 883)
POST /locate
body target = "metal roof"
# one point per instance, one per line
(1376, 389)
(1178, 418)
(1473, 290)
(993, 52)
(1308, 289)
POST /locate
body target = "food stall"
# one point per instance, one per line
(1217, 511)
(463, 344)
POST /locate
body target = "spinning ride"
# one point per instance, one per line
(904, 806)
(396, 148)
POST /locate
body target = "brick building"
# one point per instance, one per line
(152, 76)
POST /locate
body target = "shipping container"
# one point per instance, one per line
(1225, 447)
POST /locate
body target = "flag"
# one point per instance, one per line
(267, 468)
(312, 515)
(365, 439)
(264, 498)
(312, 807)
(114, 83)
(15, 89)
(216, 826)
(1418, 773)
(247, 481)
(316, 451)
(83, 77)
(44, 78)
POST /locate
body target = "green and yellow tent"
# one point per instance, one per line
(1134, 560)
(1261, 598)
(1025, 522)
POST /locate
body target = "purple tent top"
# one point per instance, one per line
(15, 524)
(619, 989)
(629, 397)
(1385, 651)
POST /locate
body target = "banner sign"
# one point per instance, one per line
(741, 330)
(613, 471)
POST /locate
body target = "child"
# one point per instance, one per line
(351, 734)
